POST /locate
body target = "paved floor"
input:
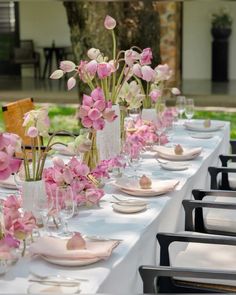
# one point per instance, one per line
(205, 92)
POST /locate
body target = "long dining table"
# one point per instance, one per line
(119, 273)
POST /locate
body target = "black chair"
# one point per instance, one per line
(25, 55)
(189, 279)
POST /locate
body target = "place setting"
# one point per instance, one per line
(128, 205)
(177, 152)
(145, 186)
(203, 126)
(77, 250)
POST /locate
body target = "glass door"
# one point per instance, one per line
(9, 37)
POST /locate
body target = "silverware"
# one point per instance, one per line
(55, 277)
(55, 282)
(100, 238)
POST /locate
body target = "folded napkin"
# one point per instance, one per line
(158, 187)
(56, 248)
(169, 153)
(8, 183)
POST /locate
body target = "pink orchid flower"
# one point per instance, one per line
(99, 124)
(83, 111)
(91, 67)
(71, 83)
(155, 94)
(109, 22)
(94, 114)
(109, 115)
(104, 70)
(146, 56)
(57, 74)
(87, 122)
(58, 162)
(137, 70)
(148, 73)
(97, 94)
(87, 100)
(100, 105)
(93, 53)
(67, 66)
(131, 56)
(32, 132)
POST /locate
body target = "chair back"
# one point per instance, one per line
(13, 114)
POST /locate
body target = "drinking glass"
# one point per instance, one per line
(66, 207)
(160, 124)
(189, 108)
(135, 114)
(42, 205)
(180, 105)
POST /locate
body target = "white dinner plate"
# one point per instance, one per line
(37, 288)
(198, 126)
(128, 209)
(70, 262)
(8, 183)
(201, 135)
(175, 166)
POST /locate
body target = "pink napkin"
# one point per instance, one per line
(169, 153)
(158, 187)
(55, 247)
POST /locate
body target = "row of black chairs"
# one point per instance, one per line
(202, 258)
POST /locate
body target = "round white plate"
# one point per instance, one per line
(37, 288)
(128, 209)
(8, 183)
(201, 135)
(70, 262)
(200, 127)
(174, 166)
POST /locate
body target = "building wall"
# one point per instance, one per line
(196, 55)
(44, 22)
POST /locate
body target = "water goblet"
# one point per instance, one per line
(160, 128)
(135, 114)
(180, 105)
(65, 205)
(189, 108)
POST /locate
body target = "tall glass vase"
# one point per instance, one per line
(91, 157)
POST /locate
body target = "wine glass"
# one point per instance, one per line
(65, 205)
(43, 203)
(160, 124)
(135, 114)
(180, 105)
(189, 108)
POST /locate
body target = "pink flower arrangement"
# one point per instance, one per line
(37, 123)
(75, 174)
(9, 144)
(95, 110)
(113, 74)
(15, 226)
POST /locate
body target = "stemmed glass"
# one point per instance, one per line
(160, 128)
(189, 108)
(43, 204)
(135, 114)
(66, 207)
(180, 105)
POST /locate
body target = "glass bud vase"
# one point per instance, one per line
(91, 157)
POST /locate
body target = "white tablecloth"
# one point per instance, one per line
(119, 274)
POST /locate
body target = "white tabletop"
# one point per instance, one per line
(119, 274)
